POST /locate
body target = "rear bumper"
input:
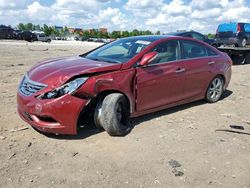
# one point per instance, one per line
(58, 116)
(228, 41)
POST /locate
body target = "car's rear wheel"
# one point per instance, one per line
(112, 114)
(215, 90)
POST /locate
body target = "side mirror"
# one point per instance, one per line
(148, 58)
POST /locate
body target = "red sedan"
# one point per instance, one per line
(126, 78)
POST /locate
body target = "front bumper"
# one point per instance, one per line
(58, 116)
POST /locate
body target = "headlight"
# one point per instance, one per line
(67, 88)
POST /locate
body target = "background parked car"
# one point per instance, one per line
(6, 32)
(41, 36)
(195, 35)
(237, 34)
(27, 35)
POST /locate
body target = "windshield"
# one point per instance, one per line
(119, 51)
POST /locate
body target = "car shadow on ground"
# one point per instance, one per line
(90, 129)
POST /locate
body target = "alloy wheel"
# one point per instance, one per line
(215, 89)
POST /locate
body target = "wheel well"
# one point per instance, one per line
(86, 115)
(103, 94)
(222, 76)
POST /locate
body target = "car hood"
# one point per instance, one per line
(55, 72)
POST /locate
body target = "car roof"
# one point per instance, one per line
(150, 38)
(182, 33)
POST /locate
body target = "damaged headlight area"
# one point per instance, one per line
(68, 88)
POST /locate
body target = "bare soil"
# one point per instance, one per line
(191, 145)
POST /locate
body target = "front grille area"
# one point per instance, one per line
(29, 87)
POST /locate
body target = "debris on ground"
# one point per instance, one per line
(29, 144)
(231, 131)
(237, 127)
(247, 122)
(11, 156)
(74, 154)
(177, 172)
(2, 137)
(19, 129)
(191, 127)
(174, 163)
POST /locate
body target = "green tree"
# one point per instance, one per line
(148, 32)
(86, 34)
(29, 26)
(54, 31)
(158, 32)
(65, 30)
(116, 34)
(135, 32)
(211, 36)
(36, 27)
(46, 30)
(125, 34)
(21, 26)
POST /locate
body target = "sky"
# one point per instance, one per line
(164, 15)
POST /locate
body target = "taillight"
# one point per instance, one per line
(238, 28)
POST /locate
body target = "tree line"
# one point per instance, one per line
(93, 33)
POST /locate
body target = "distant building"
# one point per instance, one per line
(78, 30)
(75, 30)
(103, 30)
(71, 30)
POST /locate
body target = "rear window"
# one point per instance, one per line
(227, 27)
(247, 27)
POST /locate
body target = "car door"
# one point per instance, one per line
(198, 67)
(162, 81)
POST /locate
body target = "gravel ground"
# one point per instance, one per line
(191, 145)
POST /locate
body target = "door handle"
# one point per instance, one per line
(211, 63)
(179, 70)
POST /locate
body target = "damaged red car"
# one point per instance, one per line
(123, 79)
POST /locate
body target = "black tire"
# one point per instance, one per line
(215, 90)
(49, 41)
(112, 114)
(248, 58)
(239, 59)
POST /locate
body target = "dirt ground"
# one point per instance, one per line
(186, 146)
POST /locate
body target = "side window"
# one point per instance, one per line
(247, 27)
(167, 51)
(210, 52)
(193, 50)
(198, 37)
(188, 35)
